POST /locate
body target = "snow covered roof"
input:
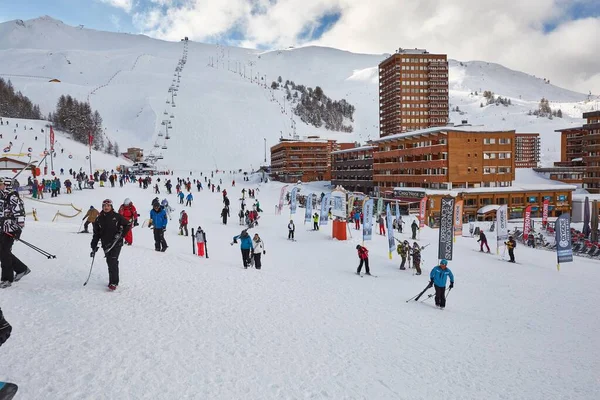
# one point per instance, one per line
(361, 148)
(437, 129)
(488, 208)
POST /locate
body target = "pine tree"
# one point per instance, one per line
(117, 150)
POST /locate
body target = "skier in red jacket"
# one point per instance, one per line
(128, 211)
(183, 223)
(363, 255)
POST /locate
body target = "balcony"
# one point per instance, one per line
(411, 178)
(413, 151)
(358, 174)
(411, 164)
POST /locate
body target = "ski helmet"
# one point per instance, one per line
(127, 201)
(444, 262)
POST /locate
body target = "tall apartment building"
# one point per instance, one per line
(444, 158)
(571, 147)
(353, 169)
(527, 150)
(591, 152)
(303, 160)
(413, 91)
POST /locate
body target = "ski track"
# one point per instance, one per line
(181, 326)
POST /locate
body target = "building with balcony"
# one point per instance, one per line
(353, 169)
(571, 147)
(527, 150)
(413, 91)
(444, 158)
(570, 175)
(591, 152)
(303, 160)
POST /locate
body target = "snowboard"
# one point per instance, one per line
(7, 390)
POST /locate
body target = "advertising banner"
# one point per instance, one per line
(368, 219)
(564, 251)
(446, 238)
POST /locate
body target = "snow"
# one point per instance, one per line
(305, 326)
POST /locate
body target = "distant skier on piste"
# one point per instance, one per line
(110, 227)
(438, 278)
(183, 223)
(158, 221)
(188, 199)
(291, 230)
(363, 255)
(245, 246)
(415, 227)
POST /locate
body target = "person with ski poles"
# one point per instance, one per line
(438, 278)
(510, 245)
(363, 255)
(483, 241)
(158, 221)
(129, 212)
(403, 250)
(258, 248)
(91, 216)
(110, 228)
(188, 199)
(416, 257)
(183, 223)
(200, 240)
(12, 217)
(245, 246)
(291, 230)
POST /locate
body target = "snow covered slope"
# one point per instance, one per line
(305, 326)
(225, 111)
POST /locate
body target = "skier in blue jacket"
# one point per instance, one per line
(181, 196)
(158, 221)
(245, 246)
(439, 275)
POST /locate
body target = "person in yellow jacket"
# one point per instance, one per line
(91, 216)
(316, 222)
(510, 245)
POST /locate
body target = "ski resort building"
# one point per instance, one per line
(444, 158)
(527, 150)
(413, 91)
(303, 160)
(353, 169)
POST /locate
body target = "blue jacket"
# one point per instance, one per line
(159, 218)
(245, 242)
(181, 195)
(439, 276)
(189, 197)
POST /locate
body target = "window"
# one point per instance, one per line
(504, 141)
(468, 170)
(489, 156)
(517, 200)
(489, 141)
(501, 200)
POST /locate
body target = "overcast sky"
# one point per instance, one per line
(554, 39)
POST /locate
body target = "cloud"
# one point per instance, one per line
(116, 21)
(555, 39)
(125, 5)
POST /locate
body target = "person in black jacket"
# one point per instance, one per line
(110, 227)
(5, 329)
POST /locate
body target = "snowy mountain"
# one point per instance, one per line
(225, 108)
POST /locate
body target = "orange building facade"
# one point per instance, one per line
(353, 169)
(413, 91)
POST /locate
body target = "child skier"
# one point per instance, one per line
(291, 230)
(438, 277)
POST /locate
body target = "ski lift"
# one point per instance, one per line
(160, 134)
(164, 146)
(156, 145)
(167, 137)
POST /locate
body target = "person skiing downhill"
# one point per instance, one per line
(258, 247)
(110, 227)
(245, 246)
(438, 277)
(91, 216)
(363, 255)
(12, 216)
(291, 230)
(188, 199)
(200, 240)
(158, 221)
(483, 241)
(128, 211)
(183, 223)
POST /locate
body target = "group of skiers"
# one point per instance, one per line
(252, 249)
(406, 252)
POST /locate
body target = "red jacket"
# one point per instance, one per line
(363, 253)
(129, 212)
(184, 219)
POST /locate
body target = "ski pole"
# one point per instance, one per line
(80, 225)
(91, 266)
(419, 295)
(41, 251)
(429, 296)
(448, 294)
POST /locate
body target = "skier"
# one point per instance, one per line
(158, 221)
(224, 214)
(245, 246)
(291, 230)
(91, 216)
(399, 223)
(241, 216)
(363, 255)
(110, 227)
(510, 245)
(188, 199)
(416, 256)
(128, 211)
(12, 216)
(5, 329)
(181, 196)
(258, 247)
(200, 240)
(483, 241)
(183, 223)
(403, 250)
(357, 220)
(316, 222)
(414, 226)
(438, 277)
(165, 205)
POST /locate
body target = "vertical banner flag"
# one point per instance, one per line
(390, 229)
(446, 228)
(422, 207)
(564, 252)
(338, 204)
(367, 219)
(526, 223)
(309, 208)
(586, 217)
(281, 197)
(350, 205)
(90, 139)
(594, 232)
(545, 213)
(379, 206)
(398, 212)
(51, 139)
(458, 221)
(293, 200)
(501, 226)
(323, 218)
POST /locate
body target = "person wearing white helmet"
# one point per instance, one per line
(129, 212)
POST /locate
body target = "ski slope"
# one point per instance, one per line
(225, 110)
(305, 326)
